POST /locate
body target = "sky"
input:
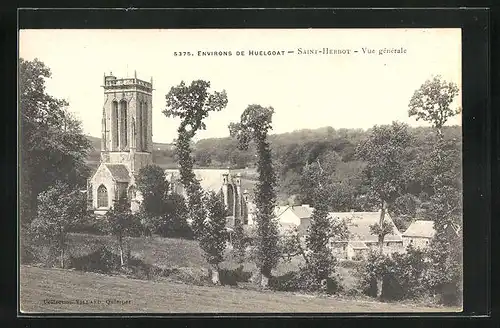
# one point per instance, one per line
(307, 91)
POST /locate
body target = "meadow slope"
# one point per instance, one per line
(37, 285)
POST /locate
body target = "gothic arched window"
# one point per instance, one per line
(145, 126)
(114, 124)
(139, 126)
(237, 203)
(123, 123)
(102, 196)
(230, 200)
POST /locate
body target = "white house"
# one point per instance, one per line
(293, 216)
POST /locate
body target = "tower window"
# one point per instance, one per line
(139, 125)
(102, 196)
(145, 126)
(123, 126)
(115, 123)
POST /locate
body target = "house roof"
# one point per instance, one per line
(210, 179)
(355, 244)
(420, 228)
(119, 172)
(301, 211)
(359, 224)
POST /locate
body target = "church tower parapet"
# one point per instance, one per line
(127, 136)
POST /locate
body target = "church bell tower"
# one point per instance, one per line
(127, 122)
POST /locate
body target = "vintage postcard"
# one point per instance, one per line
(240, 171)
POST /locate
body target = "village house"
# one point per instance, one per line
(290, 217)
(360, 239)
(420, 233)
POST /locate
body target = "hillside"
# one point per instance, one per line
(162, 153)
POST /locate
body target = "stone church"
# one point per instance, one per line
(223, 181)
(126, 142)
(126, 147)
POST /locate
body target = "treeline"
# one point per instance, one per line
(335, 149)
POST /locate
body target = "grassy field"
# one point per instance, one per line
(93, 293)
(177, 253)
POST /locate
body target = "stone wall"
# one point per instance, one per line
(418, 242)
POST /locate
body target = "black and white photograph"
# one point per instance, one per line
(240, 171)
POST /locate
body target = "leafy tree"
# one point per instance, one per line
(52, 145)
(385, 151)
(404, 209)
(192, 104)
(151, 182)
(432, 101)
(254, 126)
(173, 222)
(120, 223)
(60, 207)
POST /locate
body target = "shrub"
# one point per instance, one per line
(375, 266)
(102, 260)
(403, 274)
(138, 269)
(232, 277)
(289, 282)
(333, 285)
(89, 224)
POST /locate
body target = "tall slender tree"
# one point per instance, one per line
(321, 262)
(254, 126)
(192, 104)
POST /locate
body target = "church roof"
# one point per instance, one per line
(210, 179)
(119, 172)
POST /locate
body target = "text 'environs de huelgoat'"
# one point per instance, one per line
(297, 51)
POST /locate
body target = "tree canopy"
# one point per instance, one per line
(52, 144)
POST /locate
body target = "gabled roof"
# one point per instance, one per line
(420, 228)
(359, 224)
(119, 172)
(300, 211)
